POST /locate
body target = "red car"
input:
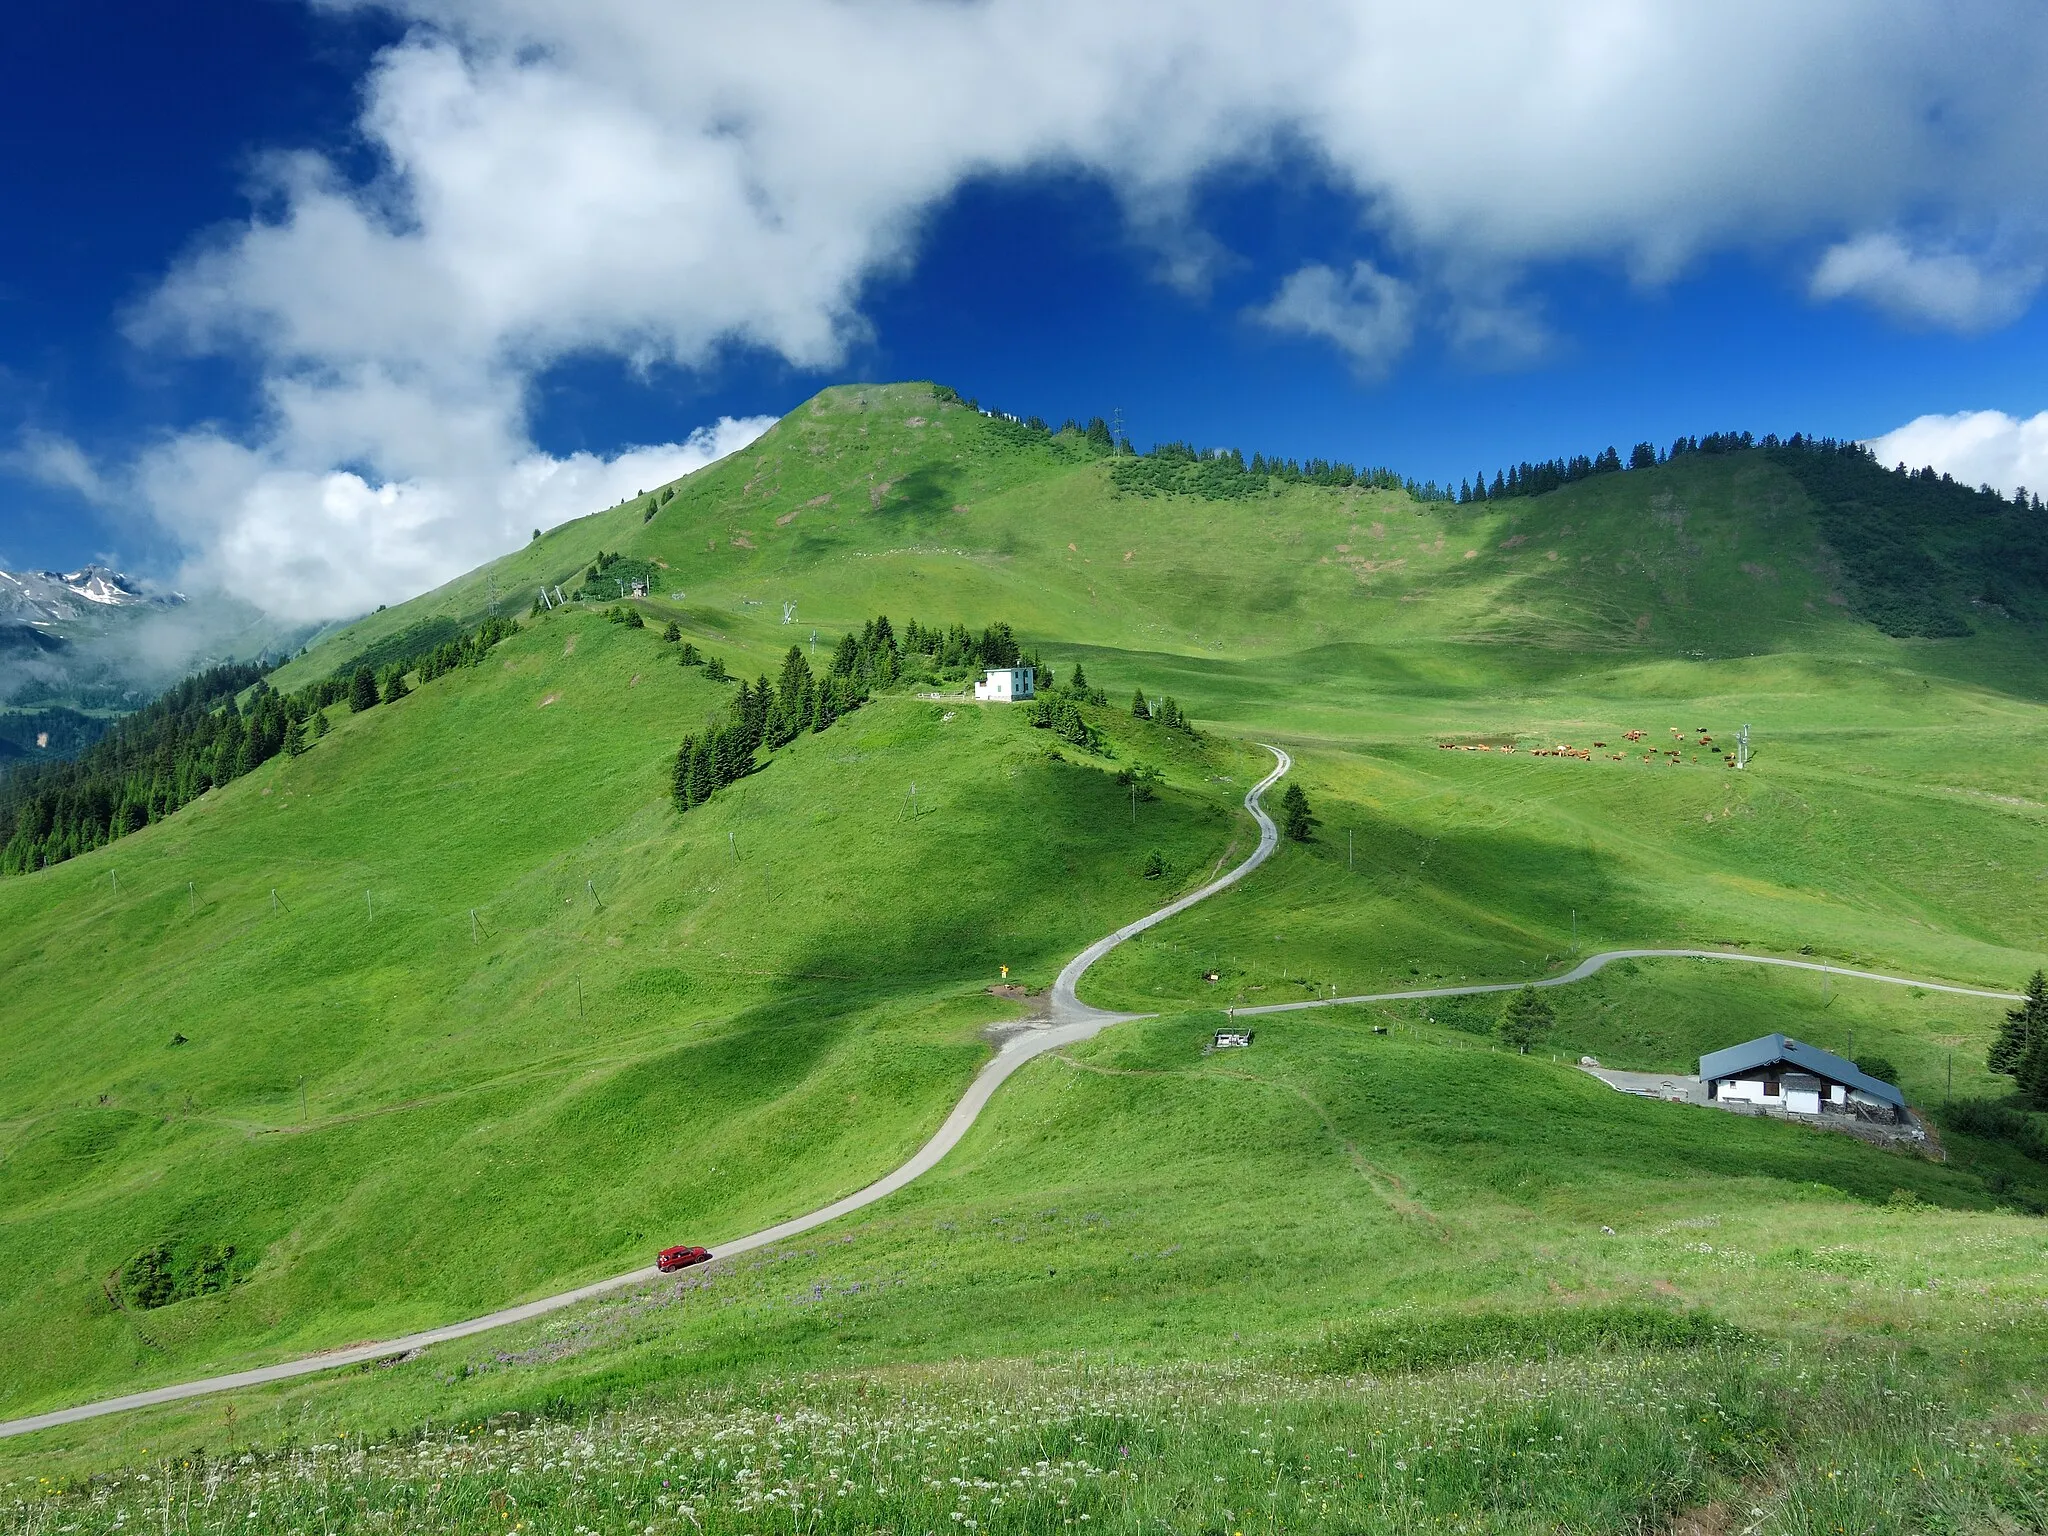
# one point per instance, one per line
(672, 1259)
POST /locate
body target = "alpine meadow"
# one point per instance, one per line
(665, 879)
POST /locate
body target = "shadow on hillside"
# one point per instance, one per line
(925, 495)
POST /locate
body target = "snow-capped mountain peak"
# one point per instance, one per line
(47, 597)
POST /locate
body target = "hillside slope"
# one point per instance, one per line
(456, 1007)
(544, 1020)
(892, 498)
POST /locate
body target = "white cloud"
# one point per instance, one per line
(659, 181)
(269, 525)
(1945, 288)
(57, 461)
(1977, 447)
(1368, 314)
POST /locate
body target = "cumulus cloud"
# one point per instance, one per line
(1944, 288)
(1977, 447)
(661, 182)
(1368, 314)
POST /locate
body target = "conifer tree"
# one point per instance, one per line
(319, 723)
(703, 774)
(2023, 1025)
(2032, 1072)
(679, 779)
(1526, 1020)
(673, 633)
(1139, 710)
(1296, 820)
(394, 685)
(1079, 682)
(294, 739)
(690, 656)
(362, 690)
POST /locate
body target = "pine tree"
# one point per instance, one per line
(703, 774)
(690, 656)
(2032, 1073)
(1139, 710)
(1526, 1020)
(1079, 682)
(673, 633)
(362, 690)
(294, 739)
(394, 685)
(679, 779)
(715, 670)
(2023, 1025)
(1296, 820)
(319, 723)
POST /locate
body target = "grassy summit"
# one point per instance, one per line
(782, 990)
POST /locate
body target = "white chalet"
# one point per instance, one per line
(1007, 684)
(1792, 1077)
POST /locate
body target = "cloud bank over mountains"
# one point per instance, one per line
(1977, 447)
(662, 182)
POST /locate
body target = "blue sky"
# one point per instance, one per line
(322, 304)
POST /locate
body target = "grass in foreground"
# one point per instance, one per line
(1739, 1437)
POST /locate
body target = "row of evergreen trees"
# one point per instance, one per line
(1166, 711)
(194, 737)
(1526, 479)
(800, 700)
(159, 758)
(864, 662)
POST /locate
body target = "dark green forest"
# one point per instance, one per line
(206, 731)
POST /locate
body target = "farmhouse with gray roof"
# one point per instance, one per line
(1778, 1072)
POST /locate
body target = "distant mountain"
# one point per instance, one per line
(97, 640)
(52, 597)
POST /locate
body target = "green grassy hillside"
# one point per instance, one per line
(781, 991)
(456, 1008)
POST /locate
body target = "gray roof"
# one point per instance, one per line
(1769, 1050)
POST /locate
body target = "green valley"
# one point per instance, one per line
(458, 1008)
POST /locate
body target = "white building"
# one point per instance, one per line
(1778, 1073)
(1007, 684)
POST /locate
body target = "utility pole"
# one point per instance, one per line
(1116, 433)
(1575, 930)
(1134, 802)
(1742, 747)
(591, 886)
(1350, 850)
(579, 992)
(732, 843)
(371, 905)
(302, 1101)
(115, 876)
(472, 925)
(191, 898)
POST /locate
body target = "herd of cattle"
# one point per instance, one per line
(1585, 754)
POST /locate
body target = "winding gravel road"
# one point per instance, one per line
(1072, 1021)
